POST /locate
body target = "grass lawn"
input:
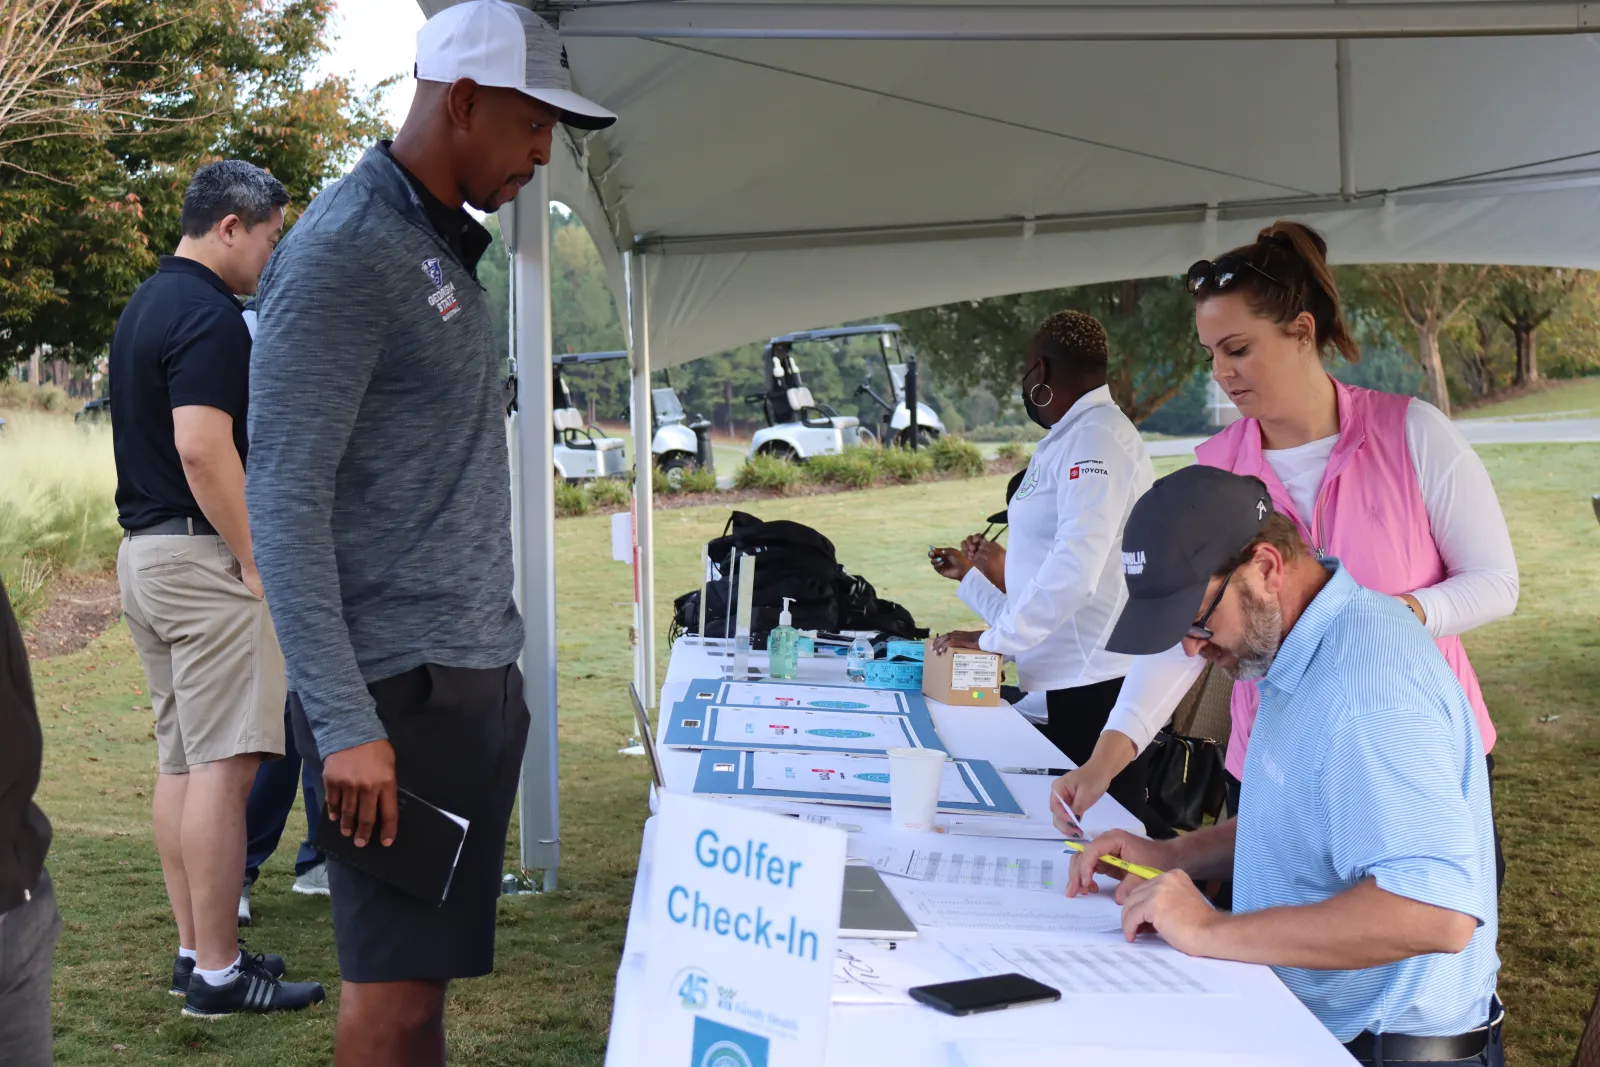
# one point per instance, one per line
(549, 1002)
(1576, 399)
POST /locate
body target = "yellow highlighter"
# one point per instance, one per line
(1118, 862)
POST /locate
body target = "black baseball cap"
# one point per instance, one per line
(999, 518)
(1187, 526)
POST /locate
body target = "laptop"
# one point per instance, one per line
(647, 737)
(869, 910)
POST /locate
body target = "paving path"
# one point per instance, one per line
(1477, 431)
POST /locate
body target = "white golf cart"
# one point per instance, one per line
(581, 452)
(798, 427)
(679, 442)
(900, 370)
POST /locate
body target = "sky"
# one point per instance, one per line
(373, 39)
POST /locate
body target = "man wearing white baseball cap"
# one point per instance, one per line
(381, 511)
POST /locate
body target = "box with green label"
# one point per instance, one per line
(965, 676)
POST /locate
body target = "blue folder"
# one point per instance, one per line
(732, 774)
(692, 722)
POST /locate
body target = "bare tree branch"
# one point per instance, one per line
(51, 56)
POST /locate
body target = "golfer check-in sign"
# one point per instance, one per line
(743, 912)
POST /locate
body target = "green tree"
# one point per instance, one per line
(87, 203)
(1149, 323)
(1425, 298)
(1525, 300)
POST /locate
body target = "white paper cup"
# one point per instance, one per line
(914, 778)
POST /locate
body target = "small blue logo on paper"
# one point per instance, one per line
(716, 1045)
(873, 776)
(435, 273)
(836, 732)
(839, 705)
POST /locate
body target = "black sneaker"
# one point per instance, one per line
(183, 967)
(253, 989)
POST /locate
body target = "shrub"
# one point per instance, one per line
(767, 472)
(904, 465)
(24, 396)
(1012, 452)
(27, 584)
(955, 455)
(608, 493)
(698, 480)
(57, 496)
(854, 468)
(570, 499)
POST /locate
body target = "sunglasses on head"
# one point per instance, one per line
(1219, 276)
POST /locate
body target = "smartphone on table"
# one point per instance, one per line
(993, 993)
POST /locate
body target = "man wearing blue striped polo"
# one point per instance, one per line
(1362, 856)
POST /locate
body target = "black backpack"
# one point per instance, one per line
(795, 561)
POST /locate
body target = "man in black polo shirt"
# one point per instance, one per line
(180, 382)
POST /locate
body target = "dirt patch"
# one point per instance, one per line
(81, 608)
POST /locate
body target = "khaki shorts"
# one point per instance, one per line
(209, 650)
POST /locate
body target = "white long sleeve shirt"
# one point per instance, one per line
(1480, 584)
(1064, 585)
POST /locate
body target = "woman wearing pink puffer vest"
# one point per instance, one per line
(1383, 482)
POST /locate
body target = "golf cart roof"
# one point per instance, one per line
(834, 334)
(569, 359)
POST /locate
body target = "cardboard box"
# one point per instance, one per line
(963, 676)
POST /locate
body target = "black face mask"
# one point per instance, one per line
(1027, 401)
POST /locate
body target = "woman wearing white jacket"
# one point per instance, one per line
(1063, 570)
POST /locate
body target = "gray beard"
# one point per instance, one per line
(1263, 634)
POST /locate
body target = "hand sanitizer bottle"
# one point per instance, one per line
(783, 645)
(855, 664)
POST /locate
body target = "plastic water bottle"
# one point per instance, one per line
(855, 663)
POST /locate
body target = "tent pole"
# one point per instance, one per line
(644, 466)
(1347, 163)
(539, 816)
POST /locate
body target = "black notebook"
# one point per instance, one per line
(422, 859)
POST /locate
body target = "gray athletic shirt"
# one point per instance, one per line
(378, 488)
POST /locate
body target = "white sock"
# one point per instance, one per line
(222, 977)
(186, 953)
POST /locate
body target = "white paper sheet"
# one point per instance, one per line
(848, 775)
(1000, 909)
(1023, 867)
(866, 973)
(1089, 970)
(828, 697)
(819, 730)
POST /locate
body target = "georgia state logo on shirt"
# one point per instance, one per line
(443, 299)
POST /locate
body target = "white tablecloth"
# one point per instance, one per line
(1259, 1024)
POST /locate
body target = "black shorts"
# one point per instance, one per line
(458, 737)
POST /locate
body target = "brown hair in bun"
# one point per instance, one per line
(1296, 258)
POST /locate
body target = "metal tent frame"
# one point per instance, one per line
(628, 255)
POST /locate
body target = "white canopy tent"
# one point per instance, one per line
(780, 166)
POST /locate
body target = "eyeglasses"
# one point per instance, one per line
(1220, 276)
(1198, 629)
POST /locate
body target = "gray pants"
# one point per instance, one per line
(28, 937)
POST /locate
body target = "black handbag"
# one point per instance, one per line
(1188, 782)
